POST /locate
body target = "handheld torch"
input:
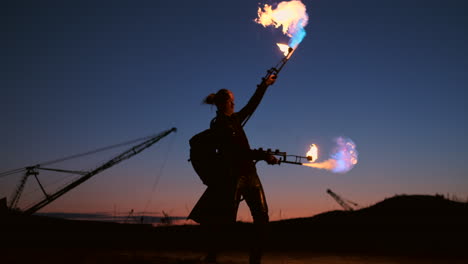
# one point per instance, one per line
(276, 70)
(283, 156)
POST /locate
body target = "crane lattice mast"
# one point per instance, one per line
(85, 175)
(340, 201)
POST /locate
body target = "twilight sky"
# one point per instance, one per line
(79, 75)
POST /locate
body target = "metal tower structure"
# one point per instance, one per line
(341, 201)
(86, 175)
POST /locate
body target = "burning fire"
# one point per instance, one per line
(284, 48)
(313, 153)
(291, 15)
(343, 158)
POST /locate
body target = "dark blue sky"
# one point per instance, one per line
(391, 75)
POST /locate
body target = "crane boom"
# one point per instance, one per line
(15, 197)
(340, 200)
(125, 155)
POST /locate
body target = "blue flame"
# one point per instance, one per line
(345, 155)
(298, 36)
(291, 16)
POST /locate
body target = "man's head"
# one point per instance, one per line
(224, 101)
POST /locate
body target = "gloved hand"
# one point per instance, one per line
(271, 79)
(272, 160)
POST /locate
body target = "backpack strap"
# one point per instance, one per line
(212, 122)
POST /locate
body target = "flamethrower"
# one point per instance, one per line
(276, 70)
(284, 157)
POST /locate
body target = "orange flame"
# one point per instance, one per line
(290, 15)
(287, 15)
(313, 152)
(284, 48)
(326, 165)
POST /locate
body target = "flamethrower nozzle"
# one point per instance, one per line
(283, 156)
(276, 70)
(273, 71)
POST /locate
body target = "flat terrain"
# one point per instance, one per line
(403, 229)
(76, 256)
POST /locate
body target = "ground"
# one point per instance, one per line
(122, 256)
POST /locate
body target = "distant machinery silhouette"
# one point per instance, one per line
(341, 201)
(84, 175)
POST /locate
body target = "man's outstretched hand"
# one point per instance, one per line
(272, 160)
(271, 79)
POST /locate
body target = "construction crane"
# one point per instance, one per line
(341, 201)
(86, 175)
(131, 215)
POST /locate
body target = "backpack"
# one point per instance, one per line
(204, 155)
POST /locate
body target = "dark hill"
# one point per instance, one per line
(404, 210)
(417, 205)
(404, 223)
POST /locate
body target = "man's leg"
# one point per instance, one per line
(222, 214)
(211, 241)
(255, 199)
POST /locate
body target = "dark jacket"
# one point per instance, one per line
(218, 203)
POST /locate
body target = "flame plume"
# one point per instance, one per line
(343, 158)
(290, 15)
(313, 153)
(284, 48)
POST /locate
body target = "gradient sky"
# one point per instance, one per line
(390, 75)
